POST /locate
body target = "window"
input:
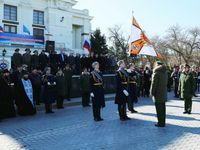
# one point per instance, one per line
(10, 12)
(38, 17)
(10, 29)
(38, 32)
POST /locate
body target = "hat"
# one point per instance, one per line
(186, 65)
(159, 63)
(6, 71)
(27, 49)
(120, 62)
(35, 51)
(17, 50)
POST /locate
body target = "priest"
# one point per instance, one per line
(7, 108)
(24, 98)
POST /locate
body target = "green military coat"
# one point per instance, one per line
(186, 85)
(158, 88)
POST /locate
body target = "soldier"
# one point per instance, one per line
(97, 91)
(35, 60)
(132, 88)
(147, 81)
(122, 90)
(175, 77)
(43, 60)
(60, 88)
(49, 93)
(16, 59)
(85, 87)
(158, 92)
(68, 81)
(26, 58)
(186, 88)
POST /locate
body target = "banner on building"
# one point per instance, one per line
(20, 40)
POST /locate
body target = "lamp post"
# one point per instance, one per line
(4, 53)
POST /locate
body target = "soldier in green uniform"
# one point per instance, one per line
(60, 88)
(85, 87)
(186, 88)
(158, 92)
(68, 73)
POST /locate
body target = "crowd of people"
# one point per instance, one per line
(49, 80)
(56, 61)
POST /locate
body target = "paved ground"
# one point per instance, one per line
(74, 129)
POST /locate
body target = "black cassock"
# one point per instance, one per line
(24, 105)
(6, 99)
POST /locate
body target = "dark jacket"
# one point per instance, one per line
(158, 88)
(85, 83)
(49, 89)
(96, 86)
(122, 84)
(60, 85)
(26, 59)
(17, 60)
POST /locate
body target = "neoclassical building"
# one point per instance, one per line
(35, 23)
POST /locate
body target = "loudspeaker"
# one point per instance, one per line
(50, 46)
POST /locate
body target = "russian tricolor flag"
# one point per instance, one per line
(87, 46)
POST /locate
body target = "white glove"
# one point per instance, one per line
(92, 94)
(48, 83)
(125, 92)
(54, 83)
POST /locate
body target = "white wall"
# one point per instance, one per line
(54, 10)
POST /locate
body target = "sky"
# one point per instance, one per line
(154, 16)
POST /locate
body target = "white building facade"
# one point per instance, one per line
(33, 23)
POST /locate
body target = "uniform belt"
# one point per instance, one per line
(132, 82)
(97, 84)
(124, 83)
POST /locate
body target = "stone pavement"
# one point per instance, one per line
(74, 129)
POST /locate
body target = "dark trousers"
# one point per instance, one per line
(85, 99)
(48, 107)
(96, 112)
(122, 111)
(188, 104)
(36, 95)
(161, 113)
(59, 101)
(176, 89)
(130, 105)
(68, 90)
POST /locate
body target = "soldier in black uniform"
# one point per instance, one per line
(49, 93)
(132, 88)
(175, 77)
(97, 91)
(122, 90)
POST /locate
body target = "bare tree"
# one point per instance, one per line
(119, 42)
(183, 42)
